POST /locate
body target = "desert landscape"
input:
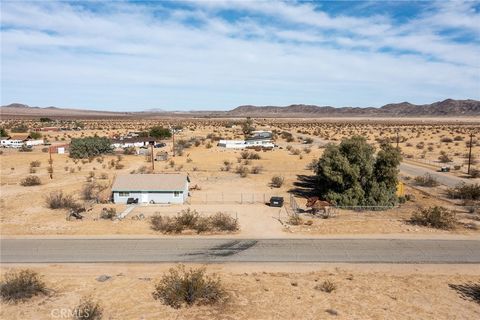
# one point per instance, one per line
(213, 170)
(243, 160)
(258, 291)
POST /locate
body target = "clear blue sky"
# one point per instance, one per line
(182, 55)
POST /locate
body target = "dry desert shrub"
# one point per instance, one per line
(180, 287)
(465, 191)
(57, 200)
(35, 164)
(256, 169)
(295, 220)
(31, 181)
(426, 180)
(277, 181)
(191, 220)
(242, 170)
(435, 217)
(21, 285)
(88, 309)
(326, 286)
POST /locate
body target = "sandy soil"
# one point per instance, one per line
(263, 292)
(23, 210)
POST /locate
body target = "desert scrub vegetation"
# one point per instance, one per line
(21, 285)
(326, 286)
(242, 171)
(31, 181)
(190, 220)
(277, 181)
(57, 200)
(88, 309)
(295, 220)
(426, 180)
(182, 287)
(465, 191)
(434, 217)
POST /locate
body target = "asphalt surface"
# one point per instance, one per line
(442, 177)
(229, 250)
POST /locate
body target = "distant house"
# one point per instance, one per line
(19, 140)
(151, 188)
(232, 144)
(263, 139)
(60, 148)
(132, 142)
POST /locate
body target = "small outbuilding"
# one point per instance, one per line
(151, 188)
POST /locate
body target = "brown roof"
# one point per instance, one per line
(20, 136)
(150, 182)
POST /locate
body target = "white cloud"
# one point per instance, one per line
(126, 57)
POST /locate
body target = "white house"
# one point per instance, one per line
(17, 141)
(232, 144)
(132, 142)
(151, 188)
(262, 139)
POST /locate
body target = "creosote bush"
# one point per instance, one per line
(277, 181)
(426, 180)
(435, 217)
(21, 285)
(30, 181)
(190, 220)
(57, 200)
(326, 286)
(465, 191)
(180, 287)
(88, 309)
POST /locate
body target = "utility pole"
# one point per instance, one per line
(398, 137)
(173, 142)
(151, 157)
(50, 161)
(470, 153)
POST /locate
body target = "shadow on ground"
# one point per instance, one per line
(468, 291)
(305, 186)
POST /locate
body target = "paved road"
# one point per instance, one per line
(229, 250)
(444, 178)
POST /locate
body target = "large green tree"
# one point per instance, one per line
(160, 132)
(89, 147)
(350, 174)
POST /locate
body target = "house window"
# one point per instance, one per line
(124, 194)
(176, 193)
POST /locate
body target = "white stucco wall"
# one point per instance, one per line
(157, 197)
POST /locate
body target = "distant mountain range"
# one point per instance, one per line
(446, 108)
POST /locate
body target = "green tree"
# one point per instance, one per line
(247, 126)
(89, 147)
(44, 119)
(160, 132)
(350, 175)
(35, 135)
(3, 132)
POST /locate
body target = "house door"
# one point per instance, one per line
(144, 197)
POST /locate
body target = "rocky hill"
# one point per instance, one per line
(446, 108)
